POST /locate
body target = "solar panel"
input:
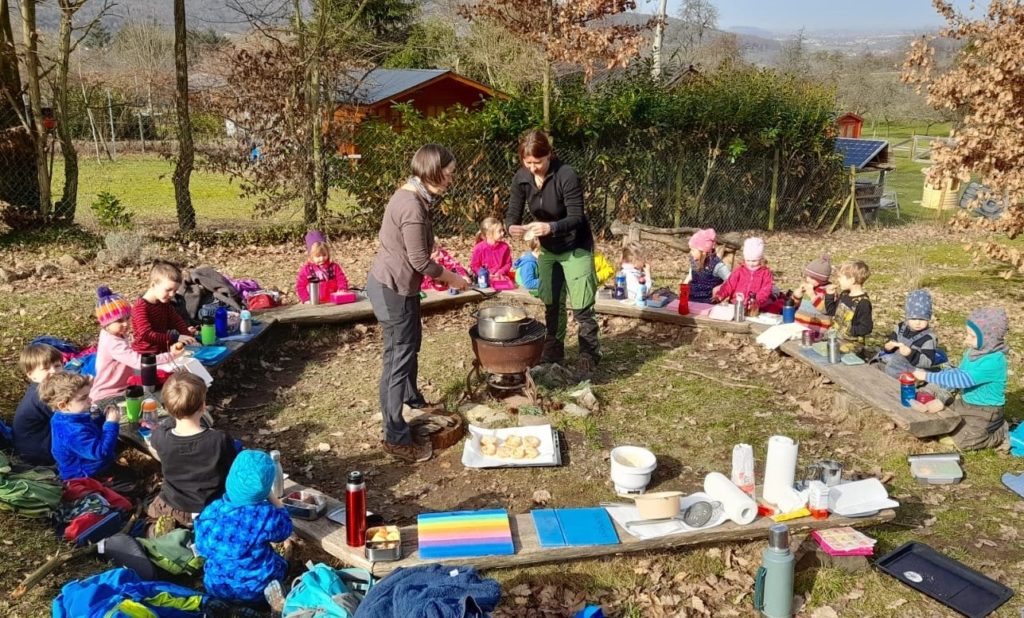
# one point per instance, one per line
(858, 152)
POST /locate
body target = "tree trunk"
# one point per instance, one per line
(10, 80)
(659, 37)
(315, 212)
(17, 149)
(30, 39)
(547, 69)
(773, 201)
(66, 206)
(186, 149)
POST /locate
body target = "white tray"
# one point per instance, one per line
(550, 452)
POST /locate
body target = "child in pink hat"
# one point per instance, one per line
(319, 266)
(707, 270)
(753, 280)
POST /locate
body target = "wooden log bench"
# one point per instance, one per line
(361, 309)
(330, 537)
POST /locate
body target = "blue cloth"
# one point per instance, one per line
(526, 271)
(117, 593)
(32, 429)
(84, 365)
(235, 541)
(430, 591)
(63, 346)
(83, 446)
(250, 478)
(919, 306)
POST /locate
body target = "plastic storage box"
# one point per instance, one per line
(936, 468)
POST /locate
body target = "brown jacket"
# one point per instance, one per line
(406, 242)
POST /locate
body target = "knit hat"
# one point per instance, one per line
(250, 479)
(753, 249)
(703, 240)
(313, 236)
(820, 269)
(110, 307)
(919, 305)
(989, 325)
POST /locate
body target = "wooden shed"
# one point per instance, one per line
(373, 93)
(849, 125)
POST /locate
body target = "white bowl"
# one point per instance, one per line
(631, 469)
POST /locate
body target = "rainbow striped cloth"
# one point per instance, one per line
(465, 534)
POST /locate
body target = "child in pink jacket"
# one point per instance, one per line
(319, 266)
(116, 361)
(753, 279)
(491, 251)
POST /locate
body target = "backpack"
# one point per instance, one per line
(173, 552)
(263, 299)
(33, 493)
(324, 592)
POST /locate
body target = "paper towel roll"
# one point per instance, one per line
(737, 505)
(779, 469)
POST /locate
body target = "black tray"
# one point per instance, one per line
(947, 581)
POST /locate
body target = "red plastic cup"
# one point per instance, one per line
(684, 299)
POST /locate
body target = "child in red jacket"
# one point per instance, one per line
(156, 323)
(320, 267)
(753, 280)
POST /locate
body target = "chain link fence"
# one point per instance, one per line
(127, 154)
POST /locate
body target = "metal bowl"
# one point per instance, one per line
(501, 323)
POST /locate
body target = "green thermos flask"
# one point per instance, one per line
(208, 331)
(773, 587)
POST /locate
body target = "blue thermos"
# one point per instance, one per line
(483, 278)
(773, 586)
(220, 321)
(789, 312)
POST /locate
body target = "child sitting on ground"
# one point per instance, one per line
(981, 379)
(448, 262)
(851, 308)
(811, 294)
(32, 417)
(633, 265)
(527, 276)
(913, 344)
(195, 459)
(753, 280)
(82, 446)
(319, 267)
(707, 271)
(491, 251)
(116, 362)
(156, 324)
(234, 533)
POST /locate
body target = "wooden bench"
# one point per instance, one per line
(330, 536)
(361, 309)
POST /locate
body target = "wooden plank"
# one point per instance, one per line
(259, 331)
(331, 538)
(361, 310)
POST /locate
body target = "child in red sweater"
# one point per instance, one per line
(320, 267)
(156, 324)
(491, 251)
(753, 280)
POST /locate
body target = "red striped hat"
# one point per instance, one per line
(110, 307)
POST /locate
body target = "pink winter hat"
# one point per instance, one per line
(313, 236)
(703, 240)
(753, 249)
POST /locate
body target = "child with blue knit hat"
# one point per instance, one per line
(913, 345)
(234, 533)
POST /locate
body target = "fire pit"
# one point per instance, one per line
(505, 365)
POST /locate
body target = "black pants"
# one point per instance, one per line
(399, 318)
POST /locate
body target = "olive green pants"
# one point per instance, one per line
(569, 277)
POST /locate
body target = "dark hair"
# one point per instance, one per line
(429, 162)
(535, 144)
(39, 355)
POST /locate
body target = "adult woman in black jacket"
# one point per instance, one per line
(552, 191)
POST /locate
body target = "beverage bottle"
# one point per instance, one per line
(908, 389)
(773, 586)
(147, 371)
(150, 410)
(684, 299)
(220, 321)
(245, 322)
(208, 331)
(278, 487)
(789, 311)
(313, 287)
(620, 286)
(641, 292)
(355, 510)
(739, 308)
(483, 278)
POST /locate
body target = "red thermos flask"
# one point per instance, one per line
(684, 299)
(355, 510)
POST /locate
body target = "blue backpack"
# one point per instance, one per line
(324, 592)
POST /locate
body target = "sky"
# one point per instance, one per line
(791, 15)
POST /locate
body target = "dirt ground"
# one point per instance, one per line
(687, 395)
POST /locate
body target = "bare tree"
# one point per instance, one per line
(186, 149)
(700, 19)
(33, 76)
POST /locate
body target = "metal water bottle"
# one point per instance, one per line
(483, 278)
(834, 355)
(773, 586)
(220, 321)
(313, 287)
(355, 510)
(278, 487)
(789, 311)
(620, 286)
(147, 371)
(641, 292)
(739, 309)
(245, 322)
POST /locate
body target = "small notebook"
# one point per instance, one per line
(574, 527)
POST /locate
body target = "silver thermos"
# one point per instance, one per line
(834, 356)
(278, 487)
(739, 309)
(313, 287)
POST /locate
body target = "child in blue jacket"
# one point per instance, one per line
(525, 266)
(234, 533)
(32, 417)
(981, 380)
(83, 446)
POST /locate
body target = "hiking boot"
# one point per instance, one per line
(554, 352)
(410, 453)
(585, 368)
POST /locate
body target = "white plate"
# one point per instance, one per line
(472, 457)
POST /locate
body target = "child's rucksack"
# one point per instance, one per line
(173, 552)
(324, 592)
(32, 493)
